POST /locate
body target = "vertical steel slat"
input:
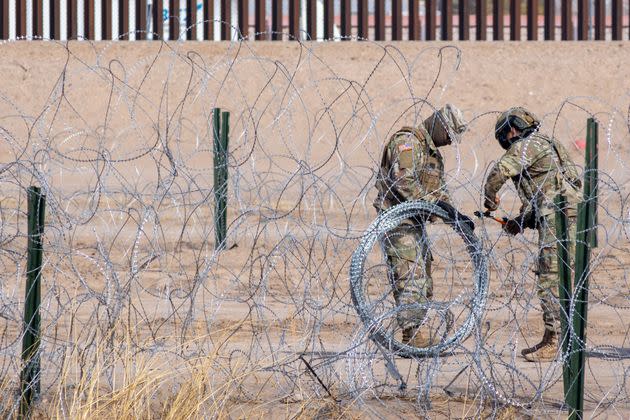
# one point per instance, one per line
(106, 20)
(294, 19)
(55, 20)
(414, 20)
(515, 20)
(482, 20)
(364, 29)
(600, 20)
(532, 20)
(173, 20)
(567, 20)
(464, 19)
(243, 18)
(38, 19)
(617, 22)
(226, 20)
(583, 19)
(431, 6)
(447, 20)
(498, 12)
(550, 20)
(276, 20)
(191, 20)
(71, 16)
(4, 29)
(346, 19)
(123, 19)
(141, 19)
(379, 16)
(20, 18)
(261, 22)
(329, 19)
(158, 19)
(88, 19)
(396, 20)
(311, 19)
(208, 20)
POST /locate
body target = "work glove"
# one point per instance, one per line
(513, 227)
(456, 216)
(518, 224)
(491, 204)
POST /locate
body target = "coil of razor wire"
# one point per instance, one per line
(389, 220)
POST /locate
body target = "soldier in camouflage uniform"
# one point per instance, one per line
(412, 168)
(540, 168)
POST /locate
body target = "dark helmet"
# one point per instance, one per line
(518, 117)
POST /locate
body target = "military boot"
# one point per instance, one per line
(412, 336)
(545, 351)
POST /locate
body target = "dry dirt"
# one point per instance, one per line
(119, 136)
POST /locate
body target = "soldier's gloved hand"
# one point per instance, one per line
(491, 203)
(528, 220)
(455, 215)
(513, 227)
(462, 218)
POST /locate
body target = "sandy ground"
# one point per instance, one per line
(119, 134)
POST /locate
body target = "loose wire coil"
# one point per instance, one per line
(389, 220)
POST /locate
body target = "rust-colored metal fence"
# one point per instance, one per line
(315, 19)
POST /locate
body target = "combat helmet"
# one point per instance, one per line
(445, 125)
(519, 118)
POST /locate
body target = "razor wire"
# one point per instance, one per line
(120, 143)
(384, 223)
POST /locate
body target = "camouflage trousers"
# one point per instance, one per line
(409, 270)
(547, 270)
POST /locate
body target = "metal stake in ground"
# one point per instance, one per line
(593, 166)
(30, 376)
(584, 241)
(564, 288)
(221, 125)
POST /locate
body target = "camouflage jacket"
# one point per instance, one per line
(539, 167)
(411, 168)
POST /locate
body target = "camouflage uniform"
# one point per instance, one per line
(540, 167)
(411, 168)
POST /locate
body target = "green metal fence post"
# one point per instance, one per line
(221, 127)
(30, 376)
(580, 294)
(216, 125)
(592, 163)
(584, 242)
(223, 188)
(564, 286)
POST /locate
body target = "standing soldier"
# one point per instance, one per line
(412, 168)
(540, 168)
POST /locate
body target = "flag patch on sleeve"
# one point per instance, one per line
(405, 156)
(404, 147)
